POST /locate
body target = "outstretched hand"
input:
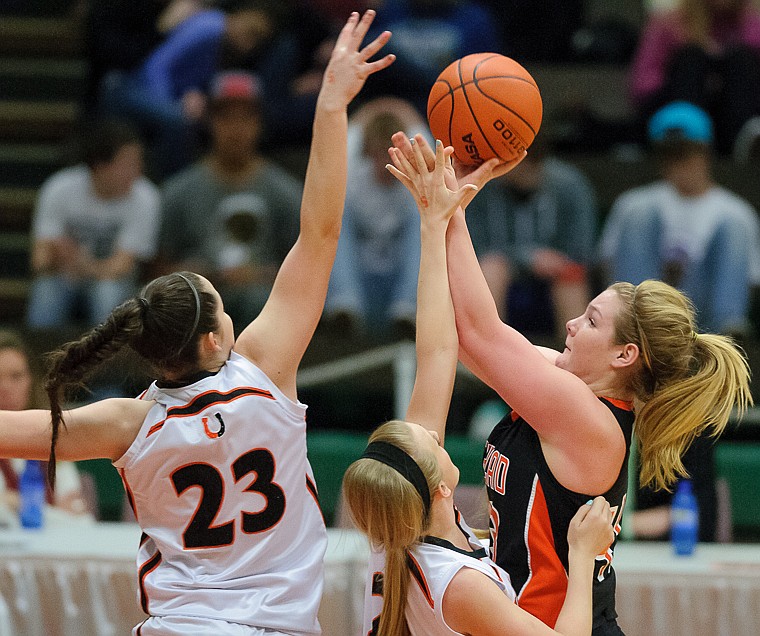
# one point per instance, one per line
(457, 174)
(349, 67)
(435, 200)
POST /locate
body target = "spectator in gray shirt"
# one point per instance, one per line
(233, 215)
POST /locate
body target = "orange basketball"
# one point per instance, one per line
(485, 105)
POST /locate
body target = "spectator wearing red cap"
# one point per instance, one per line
(166, 95)
(233, 214)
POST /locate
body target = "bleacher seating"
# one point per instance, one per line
(42, 76)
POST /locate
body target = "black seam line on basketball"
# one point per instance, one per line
(450, 141)
(482, 79)
(474, 118)
(516, 114)
(451, 110)
(504, 106)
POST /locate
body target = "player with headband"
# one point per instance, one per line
(213, 454)
(429, 575)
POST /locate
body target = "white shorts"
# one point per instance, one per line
(195, 626)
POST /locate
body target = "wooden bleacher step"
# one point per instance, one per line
(16, 208)
(39, 37)
(36, 120)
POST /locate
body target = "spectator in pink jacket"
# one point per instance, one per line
(706, 52)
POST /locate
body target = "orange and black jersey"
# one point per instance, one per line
(530, 516)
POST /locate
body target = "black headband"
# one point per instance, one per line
(401, 462)
(191, 333)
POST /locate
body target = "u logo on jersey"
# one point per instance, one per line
(207, 429)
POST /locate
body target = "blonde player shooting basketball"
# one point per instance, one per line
(436, 577)
(213, 455)
(568, 437)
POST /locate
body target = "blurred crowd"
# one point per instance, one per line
(195, 110)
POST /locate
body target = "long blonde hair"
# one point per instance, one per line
(388, 509)
(686, 383)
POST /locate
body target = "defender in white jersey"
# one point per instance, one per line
(213, 455)
(429, 575)
(219, 468)
(432, 564)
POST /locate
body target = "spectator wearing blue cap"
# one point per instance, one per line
(684, 228)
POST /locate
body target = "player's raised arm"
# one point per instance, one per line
(502, 357)
(436, 338)
(278, 337)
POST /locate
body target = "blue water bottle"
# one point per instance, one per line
(31, 490)
(684, 529)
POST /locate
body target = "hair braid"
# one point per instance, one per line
(70, 365)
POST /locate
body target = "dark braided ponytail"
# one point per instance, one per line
(70, 365)
(162, 325)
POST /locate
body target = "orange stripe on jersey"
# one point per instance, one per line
(418, 575)
(128, 490)
(544, 591)
(142, 395)
(312, 488)
(145, 569)
(206, 400)
(621, 404)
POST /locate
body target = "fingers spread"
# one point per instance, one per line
(400, 176)
(373, 47)
(419, 159)
(346, 33)
(379, 65)
(427, 151)
(361, 29)
(401, 162)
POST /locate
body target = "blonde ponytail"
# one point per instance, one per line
(688, 383)
(389, 510)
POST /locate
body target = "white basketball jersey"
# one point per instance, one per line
(432, 564)
(221, 486)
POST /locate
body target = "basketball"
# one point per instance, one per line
(485, 105)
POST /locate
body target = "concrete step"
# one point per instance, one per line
(16, 209)
(14, 254)
(24, 166)
(57, 80)
(30, 121)
(40, 36)
(39, 8)
(13, 297)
